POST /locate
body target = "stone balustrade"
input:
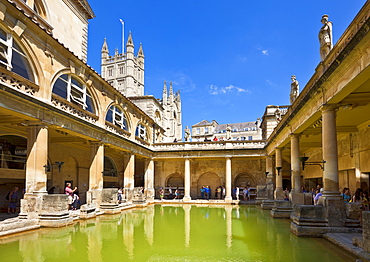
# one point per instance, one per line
(216, 145)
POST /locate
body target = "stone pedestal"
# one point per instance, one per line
(261, 194)
(138, 196)
(267, 204)
(150, 193)
(109, 202)
(366, 230)
(279, 194)
(87, 211)
(334, 210)
(308, 220)
(54, 211)
(281, 209)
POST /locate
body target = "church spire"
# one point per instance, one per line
(140, 54)
(130, 42)
(104, 50)
(164, 94)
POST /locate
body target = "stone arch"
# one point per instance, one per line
(124, 112)
(175, 180)
(245, 179)
(210, 179)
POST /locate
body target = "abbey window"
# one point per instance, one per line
(141, 132)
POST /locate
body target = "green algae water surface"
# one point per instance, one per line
(172, 233)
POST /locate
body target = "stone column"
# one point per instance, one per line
(149, 180)
(279, 191)
(128, 176)
(187, 180)
(37, 158)
(269, 178)
(331, 199)
(295, 163)
(96, 173)
(228, 197)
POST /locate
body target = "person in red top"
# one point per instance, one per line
(215, 139)
(68, 191)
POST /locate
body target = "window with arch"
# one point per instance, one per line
(117, 117)
(74, 91)
(141, 132)
(12, 57)
(109, 167)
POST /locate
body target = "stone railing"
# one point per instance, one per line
(115, 129)
(217, 145)
(18, 82)
(73, 109)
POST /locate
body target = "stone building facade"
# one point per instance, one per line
(208, 131)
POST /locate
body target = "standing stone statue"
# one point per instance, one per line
(187, 133)
(228, 132)
(294, 89)
(325, 37)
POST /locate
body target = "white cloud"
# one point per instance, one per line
(265, 52)
(215, 90)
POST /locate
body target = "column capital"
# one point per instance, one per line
(228, 156)
(35, 124)
(328, 107)
(96, 143)
(292, 135)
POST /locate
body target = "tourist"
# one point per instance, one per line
(13, 200)
(177, 194)
(286, 194)
(317, 197)
(303, 190)
(76, 201)
(237, 192)
(223, 192)
(170, 192)
(245, 193)
(357, 197)
(202, 191)
(207, 191)
(68, 191)
(161, 193)
(215, 139)
(219, 192)
(119, 195)
(346, 195)
(175, 140)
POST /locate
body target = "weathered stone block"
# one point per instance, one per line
(281, 209)
(296, 198)
(261, 194)
(109, 195)
(353, 210)
(334, 209)
(308, 215)
(366, 230)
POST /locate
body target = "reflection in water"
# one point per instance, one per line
(172, 233)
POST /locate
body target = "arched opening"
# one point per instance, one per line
(141, 132)
(175, 181)
(208, 179)
(110, 173)
(244, 180)
(74, 91)
(117, 117)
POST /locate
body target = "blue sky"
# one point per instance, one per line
(229, 58)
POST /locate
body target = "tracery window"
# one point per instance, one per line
(74, 91)
(117, 117)
(141, 132)
(12, 57)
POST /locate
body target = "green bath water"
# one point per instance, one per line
(172, 233)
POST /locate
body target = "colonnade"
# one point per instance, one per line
(329, 152)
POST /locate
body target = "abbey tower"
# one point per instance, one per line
(125, 72)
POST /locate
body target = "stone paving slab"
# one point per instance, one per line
(344, 240)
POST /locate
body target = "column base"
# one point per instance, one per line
(334, 209)
(228, 199)
(186, 198)
(281, 209)
(279, 194)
